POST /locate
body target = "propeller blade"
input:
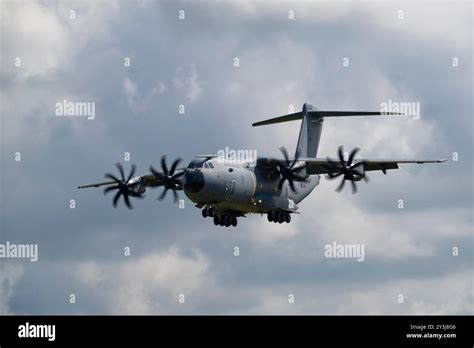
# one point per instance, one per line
(365, 178)
(354, 187)
(357, 165)
(127, 201)
(156, 173)
(122, 186)
(340, 153)
(163, 165)
(297, 156)
(352, 155)
(163, 194)
(169, 178)
(341, 185)
(331, 176)
(132, 171)
(116, 198)
(119, 167)
(349, 171)
(280, 184)
(285, 154)
(175, 196)
(110, 188)
(177, 175)
(292, 185)
(174, 165)
(110, 176)
(286, 171)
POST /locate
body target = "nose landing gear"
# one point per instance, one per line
(207, 212)
(279, 216)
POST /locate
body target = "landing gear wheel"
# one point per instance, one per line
(216, 220)
(287, 218)
(281, 218)
(270, 216)
(234, 221)
(204, 213)
(227, 221)
(210, 212)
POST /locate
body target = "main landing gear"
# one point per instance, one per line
(279, 216)
(220, 220)
(225, 220)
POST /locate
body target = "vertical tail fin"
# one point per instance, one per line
(310, 132)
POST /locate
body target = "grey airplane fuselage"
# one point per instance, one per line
(238, 187)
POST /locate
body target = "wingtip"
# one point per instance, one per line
(388, 113)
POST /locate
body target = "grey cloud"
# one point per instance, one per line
(282, 63)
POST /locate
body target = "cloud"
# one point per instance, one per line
(411, 20)
(48, 42)
(130, 90)
(150, 284)
(190, 62)
(186, 80)
(10, 273)
(28, 29)
(420, 296)
(46, 38)
(136, 102)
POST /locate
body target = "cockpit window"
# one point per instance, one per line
(195, 165)
(211, 165)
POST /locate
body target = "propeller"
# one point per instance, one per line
(169, 179)
(287, 171)
(122, 185)
(349, 171)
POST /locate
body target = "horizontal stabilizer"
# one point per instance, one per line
(350, 113)
(286, 118)
(318, 114)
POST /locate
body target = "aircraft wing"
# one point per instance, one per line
(323, 166)
(148, 180)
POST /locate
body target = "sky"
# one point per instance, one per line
(77, 51)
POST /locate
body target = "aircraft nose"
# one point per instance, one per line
(194, 181)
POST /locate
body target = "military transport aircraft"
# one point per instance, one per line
(225, 189)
